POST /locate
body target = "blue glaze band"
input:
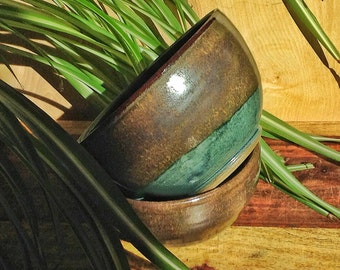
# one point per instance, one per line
(217, 153)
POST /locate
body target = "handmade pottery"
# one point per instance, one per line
(188, 121)
(199, 217)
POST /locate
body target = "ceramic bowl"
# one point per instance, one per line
(188, 121)
(201, 216)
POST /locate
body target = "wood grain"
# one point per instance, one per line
(297, 85)
(273, 231)
(271, 207)
(264, 248)
(237, 247)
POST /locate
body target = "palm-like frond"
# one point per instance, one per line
(103, 207)
(98, 46)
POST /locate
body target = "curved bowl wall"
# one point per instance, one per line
(199, 217)
(188, 121)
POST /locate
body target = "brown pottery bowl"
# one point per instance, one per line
(188, 121)
(198, 217)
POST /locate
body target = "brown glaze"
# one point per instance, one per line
(197, 90)
(198, 217)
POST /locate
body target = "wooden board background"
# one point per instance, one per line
(297, 85)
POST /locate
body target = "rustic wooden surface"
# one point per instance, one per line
(297, 84)
(272, 208)
(265, 248)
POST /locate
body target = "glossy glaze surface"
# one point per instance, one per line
(199, 217)
(191, 95)
(217, 156)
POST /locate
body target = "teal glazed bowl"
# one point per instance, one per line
(188, 121)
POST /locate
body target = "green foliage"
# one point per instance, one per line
(307, 18)
(97, 46)
(39, 141)
(276, 173)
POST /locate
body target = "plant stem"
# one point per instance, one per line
(281, 129)
(275, 172)
(300, 8)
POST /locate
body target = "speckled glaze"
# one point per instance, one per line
(199, 217)
(201, 99)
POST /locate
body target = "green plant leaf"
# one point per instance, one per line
(281, 129)
(325, 139)
(184, 7)
(13, 134)
(30, 251)
(88, 176)
(300, 8)
(300, 167)
(284, 178)
(17, 188)
(93, 248)
(104, 250)
(277, 183)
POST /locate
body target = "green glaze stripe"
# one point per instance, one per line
(199, 167)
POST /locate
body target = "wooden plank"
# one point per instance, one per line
(236, 247)
(298, 84)
(324, 128)
(271, 207)
(266, 248)
(242, 247)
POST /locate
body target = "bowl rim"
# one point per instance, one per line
(150, 74)
(246, 167)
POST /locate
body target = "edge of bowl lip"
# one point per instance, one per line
(254, 156)
(150, 74)
(249, 147)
